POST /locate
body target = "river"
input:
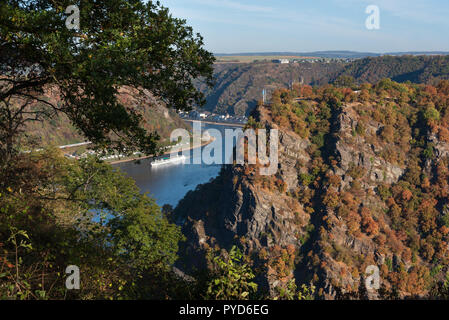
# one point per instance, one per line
(168, 184)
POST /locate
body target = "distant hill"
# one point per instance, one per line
(333, 54)
(417, 69)
(239, 85)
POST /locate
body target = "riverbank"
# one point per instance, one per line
(205, 143)
(228, 124)
(169, 184)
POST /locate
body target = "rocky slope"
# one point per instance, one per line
(362, 181)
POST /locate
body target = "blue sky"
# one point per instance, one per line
(230, 26)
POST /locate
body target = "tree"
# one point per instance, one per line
(345, 81)
(231, 277)
(120, 43)
(431, 114)
(136, 228)
(82, 213)
(291, 292)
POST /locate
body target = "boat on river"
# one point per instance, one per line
(168, 160)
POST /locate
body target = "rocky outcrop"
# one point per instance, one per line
(335, 222)
(441, 148)
(237, 208)
(354, 150)
(240, 210)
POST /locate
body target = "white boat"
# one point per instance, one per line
(159, 162)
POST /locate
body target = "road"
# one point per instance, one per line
(229, 124)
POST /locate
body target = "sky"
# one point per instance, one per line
(233, 26)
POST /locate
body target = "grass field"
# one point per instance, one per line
(248, 59)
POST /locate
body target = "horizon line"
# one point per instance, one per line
(329, 51)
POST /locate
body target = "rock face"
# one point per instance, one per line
(355, 151)
(292, 150)
(235, 209)
(441, 148)
(334, 225)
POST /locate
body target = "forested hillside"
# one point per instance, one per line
(416, 69)
(58, 129)
(363, 180)
(239, 87)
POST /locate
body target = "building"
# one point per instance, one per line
(281, 61)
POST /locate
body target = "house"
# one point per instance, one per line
(281, 61)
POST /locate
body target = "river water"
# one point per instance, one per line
(169, 183)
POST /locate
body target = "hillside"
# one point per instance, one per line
(363, 180)
(417, 69)
(331, 54)
(239, 87)
(60, 131)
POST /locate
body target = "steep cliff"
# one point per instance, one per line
(363, 180)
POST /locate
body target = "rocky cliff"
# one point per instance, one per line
(362, 181)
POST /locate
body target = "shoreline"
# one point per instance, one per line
(165, 153)
(188, 149)
(217, 123)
